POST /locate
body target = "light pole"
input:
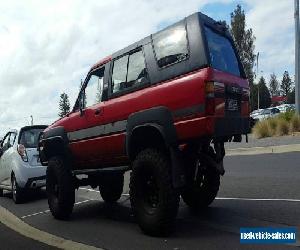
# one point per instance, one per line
(31, 120)
(257, 56)
(297, 57)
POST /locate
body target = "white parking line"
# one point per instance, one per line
(89, 189)
(47, 211)
(222, 198)
(256, 199)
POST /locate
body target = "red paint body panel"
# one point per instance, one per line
(175, 94)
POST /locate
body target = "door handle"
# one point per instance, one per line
(98, 111)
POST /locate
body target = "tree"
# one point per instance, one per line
(244, 42)
(264, 95)
(291, 97)
(274, 85)
(64, 105)
(286, 84)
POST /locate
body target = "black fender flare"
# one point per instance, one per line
(53, 141)
(159, 118)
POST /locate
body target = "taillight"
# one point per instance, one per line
(245, 94)
(213, 90)
(22, 152)
(210, 89)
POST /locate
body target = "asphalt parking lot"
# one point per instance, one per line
(256, 191)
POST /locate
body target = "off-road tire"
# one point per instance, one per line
(200, 191)
(111, 186)
(60, 188)
(151, 182)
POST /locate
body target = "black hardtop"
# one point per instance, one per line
(196, 18)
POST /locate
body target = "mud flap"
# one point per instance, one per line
(178, 173)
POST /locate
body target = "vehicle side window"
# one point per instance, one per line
(170, 45)
(128, 71)
(5, 143)
(137, 72)
(94, 88)
(119, 73)
(12, 139)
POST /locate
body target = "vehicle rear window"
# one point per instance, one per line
(170, 45)
(29, 137)
(222, 55)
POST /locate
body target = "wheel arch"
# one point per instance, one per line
(54, 142)
(149, 128)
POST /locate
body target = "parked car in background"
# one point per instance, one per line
(256, 112)
(266, 113)
(285, 107)
(20, 167)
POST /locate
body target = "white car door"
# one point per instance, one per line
(4, 146)
(9, 153)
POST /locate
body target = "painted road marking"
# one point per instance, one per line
(256, 199)
(47, 211)
(222, 198)
(19, 226)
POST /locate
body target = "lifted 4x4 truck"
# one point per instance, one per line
(161, 108)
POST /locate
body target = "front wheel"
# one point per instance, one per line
(154, 200)
(60, 188)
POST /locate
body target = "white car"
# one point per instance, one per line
(266, 113)
(20, 167)
(285, 107)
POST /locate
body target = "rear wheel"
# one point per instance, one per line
(111, 186)
(17, 192)
(203, 182)
(1, 192)
(60, 188)
(154, 200)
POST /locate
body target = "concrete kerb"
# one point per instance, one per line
(19, 226)
(264, 150)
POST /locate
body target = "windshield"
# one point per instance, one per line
(29, 138)
(222, 55)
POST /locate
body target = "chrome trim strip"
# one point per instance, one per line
(96, 131)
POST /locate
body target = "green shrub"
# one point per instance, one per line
(287, 115)
(295, 124)
(282, 127)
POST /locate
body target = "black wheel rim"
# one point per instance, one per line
(199, 174)
(14, 188)
(149, 191)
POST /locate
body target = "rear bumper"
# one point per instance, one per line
(229, 126)
(211, 127)
(36, 182)
(27, 175)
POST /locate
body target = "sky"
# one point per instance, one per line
(48, 46)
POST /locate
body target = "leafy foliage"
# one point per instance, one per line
(244, 41)
(274, 85)
(286, 84)
(264, 95)
(64, 105)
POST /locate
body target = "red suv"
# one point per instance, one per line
(161, 108)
